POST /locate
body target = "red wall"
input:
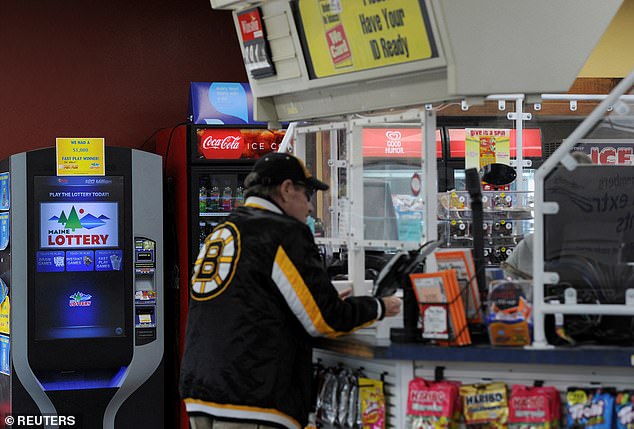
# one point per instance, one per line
(118, 69)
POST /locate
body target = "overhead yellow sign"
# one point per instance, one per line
(352, 35)
(80, 156)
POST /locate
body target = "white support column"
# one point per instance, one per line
(356, 252)
(519, 139)
(430, 188)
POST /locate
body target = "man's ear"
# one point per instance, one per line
(286, 187)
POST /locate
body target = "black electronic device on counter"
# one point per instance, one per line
(394, 276)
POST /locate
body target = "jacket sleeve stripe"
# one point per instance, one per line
(241, 412)
(292, 286)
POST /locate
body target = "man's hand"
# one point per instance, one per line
(343, 294)
(392, 305)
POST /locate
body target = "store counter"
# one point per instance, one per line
(367, 346)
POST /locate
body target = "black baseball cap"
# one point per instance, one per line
(275, 167)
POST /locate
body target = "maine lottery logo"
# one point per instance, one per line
(78, 225)
(80, 299)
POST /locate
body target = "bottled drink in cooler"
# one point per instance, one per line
(202, 233)
(202, 196)
(239, 196)
(213, 199)
(226, 199)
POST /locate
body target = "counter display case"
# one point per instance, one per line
(507, 218)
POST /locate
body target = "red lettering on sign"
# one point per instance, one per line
(607, 156)
(624, 155)
(77, 239)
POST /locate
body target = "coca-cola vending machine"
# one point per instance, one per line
(220, 160)
(205, 170)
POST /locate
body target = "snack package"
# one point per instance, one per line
(485, 405)
(457, 407)
(372, 401)
(343, 397)
(534, 407)
(353, 404)
(509, 318)
(590, 408)
(326, 409)
(432, 405)
(624, 409)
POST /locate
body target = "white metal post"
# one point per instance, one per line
(519, 140)
(430, 189)
(356, 251)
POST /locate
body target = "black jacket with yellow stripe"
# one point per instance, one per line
(259, 293)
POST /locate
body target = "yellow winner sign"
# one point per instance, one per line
(80, 157)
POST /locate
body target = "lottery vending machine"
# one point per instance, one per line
(82, 270)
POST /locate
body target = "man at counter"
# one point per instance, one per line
(259, 293)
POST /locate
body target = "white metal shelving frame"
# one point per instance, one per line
(353, 238)
(544, 208)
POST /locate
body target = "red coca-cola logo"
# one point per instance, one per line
(237, 143)
(220, 144)
(229, 142)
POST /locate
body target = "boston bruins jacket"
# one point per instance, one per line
(259, 293)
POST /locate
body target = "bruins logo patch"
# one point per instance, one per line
(216, 262)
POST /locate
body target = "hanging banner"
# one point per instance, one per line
(485, 146)
(80, 156)
(352, 35)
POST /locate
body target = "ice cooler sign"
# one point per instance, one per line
(218, 143)
(78, 225)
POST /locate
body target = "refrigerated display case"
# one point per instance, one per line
(220, 159)
(507, 217)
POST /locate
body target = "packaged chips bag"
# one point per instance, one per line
(534, 407)
(485, 405)
(590, 408)
(372, 400)
(346, 407)
(352, 419)
(431, 405)
(624, 409)
(326, 408)
(508, 316)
